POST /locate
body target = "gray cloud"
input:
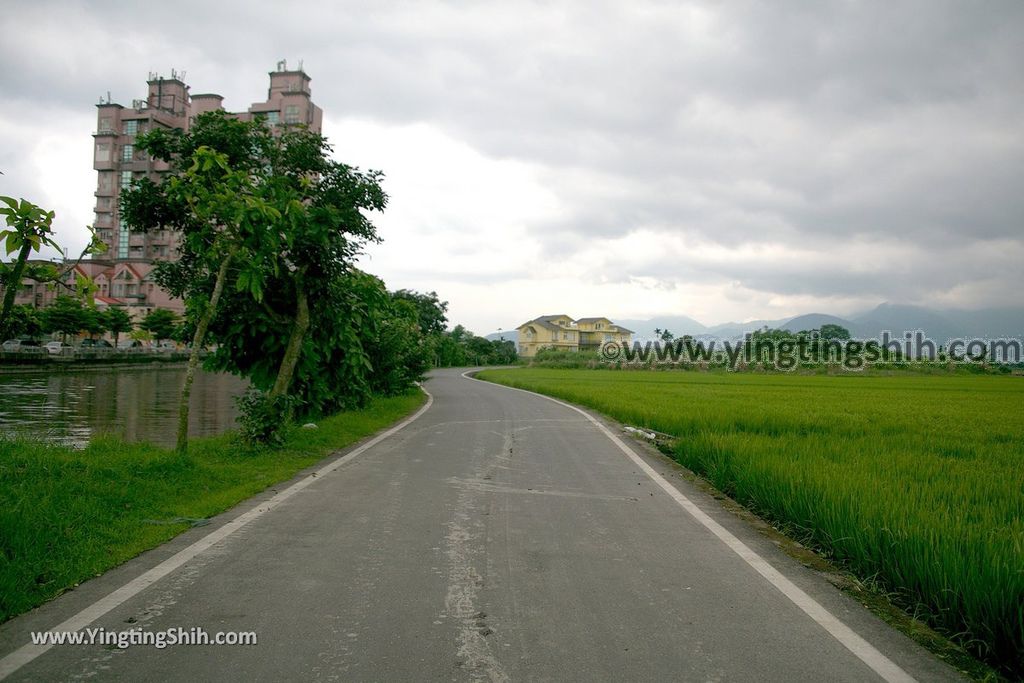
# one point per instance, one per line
(808, 126)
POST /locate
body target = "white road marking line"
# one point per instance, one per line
(865, 651)
(26, 653)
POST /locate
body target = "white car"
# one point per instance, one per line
(22, 346)
(55, 347)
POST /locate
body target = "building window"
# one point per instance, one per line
(104, 124)
(127, 152)
(126, 179)
(106, 179)
(273, 117)
(122, 239)
(291, 113)
(131, 128)
(102, 151)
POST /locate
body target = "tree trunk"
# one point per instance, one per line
(14, 285)
(291, 352)
(193, 358)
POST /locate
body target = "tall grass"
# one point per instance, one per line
(67, 515)
(917, 482)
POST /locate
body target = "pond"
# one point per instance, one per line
(140, 404)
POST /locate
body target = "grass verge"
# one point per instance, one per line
(913, 483)
(67, 515)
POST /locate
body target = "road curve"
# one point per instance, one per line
(500, 536)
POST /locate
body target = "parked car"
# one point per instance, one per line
(22, 346)
(96, 344)
(129, 344)
(55, 348)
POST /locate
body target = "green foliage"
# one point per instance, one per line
(461, 348)
(24, 321)
(295, 316)
(30, 228)
(65, 316)
(117, 321)
(400, 354)
(161, 323)
(430, 310)
(94, 322)
(362, 342)
(564, 358)
(263, 419)
(927, 502)
(28, 225)
(832, 331)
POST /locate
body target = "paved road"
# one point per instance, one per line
(499, 536)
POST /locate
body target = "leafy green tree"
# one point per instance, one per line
(117, 321)
(30, 228)
(24, 321)
(213, 195)
(400, 354)
(296, 223)
(832, 331)
(431, 311)
(161, 323)
(66, 315)
(93, 321)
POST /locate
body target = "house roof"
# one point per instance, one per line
(542, 322)
(620, 328)
(545, 322)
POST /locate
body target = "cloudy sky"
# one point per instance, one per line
(723, 160)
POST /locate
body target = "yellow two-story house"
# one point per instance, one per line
(562, 332)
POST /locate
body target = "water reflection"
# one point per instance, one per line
(139, 403)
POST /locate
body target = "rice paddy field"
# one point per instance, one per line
(913, 482)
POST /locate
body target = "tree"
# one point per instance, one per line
(66, 315)
(429, 308)
(278, 223)
(93, 321)
(24, 321)
(161, 323)
(30, 228)
(117, 320)
(832, 331)
(211, 195)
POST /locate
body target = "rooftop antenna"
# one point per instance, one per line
(282, 65)
(300, 65)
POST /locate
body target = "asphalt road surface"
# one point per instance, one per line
(498, 536)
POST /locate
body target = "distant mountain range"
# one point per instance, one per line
(939, 325)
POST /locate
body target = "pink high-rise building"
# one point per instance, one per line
(123, 272)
